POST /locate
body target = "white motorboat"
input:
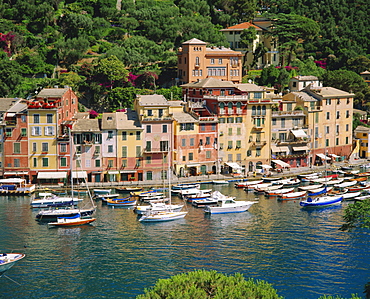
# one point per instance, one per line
(350, 195)
(187, 192)
(102, 191)
(157, 207)
(7, 260)
(229, 206)
(310, 187)
(247, 184)
(321, 201)
(278, 192)
(220, 182)
(162, 216)
(51, 200)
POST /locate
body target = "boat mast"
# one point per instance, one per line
(70, 157)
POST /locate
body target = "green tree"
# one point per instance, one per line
(210, 284)
(359, 64)
(9, 77)
(71, 50)
(357, 215)
(74, 25)
(345, 80)
(111, 69)
(120, 97)
(172, 93)
(246, 41)
(292, 30)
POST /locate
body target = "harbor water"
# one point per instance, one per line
(301, 253)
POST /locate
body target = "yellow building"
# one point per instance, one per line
(362, 134)
(196, 61)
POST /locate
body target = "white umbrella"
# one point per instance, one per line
(266, 166)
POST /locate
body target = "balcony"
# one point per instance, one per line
(42, 104)
(258, 143)
(156, 118)
(287, 113)
(211, 119)
(293, 141)
(155, 150)
(64, 137)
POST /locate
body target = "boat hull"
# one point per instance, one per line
(227, 210)
(53, 215)
(163, 216)
(325, 201)
(72, 223)
(8, 260)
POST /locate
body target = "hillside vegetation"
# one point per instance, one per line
(108, 50)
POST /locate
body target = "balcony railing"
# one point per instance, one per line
(155, 150)
(287, 113)
(294, 141)
(208, 119)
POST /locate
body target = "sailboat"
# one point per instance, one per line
(54, 214)
(321, 201)
(168, 214)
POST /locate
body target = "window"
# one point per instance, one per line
(183, 142)
(327, 130)
(338, 114)
(283, 122)
(230, 120)
(164, 128)
(138, 151)
(110, 134)
(36, 131)
(16, 163)
(336, 141)
(45, 162)
(326, 142)
(192, 142)
(110, 148)
(34, 146)
(49, 131)
(163, 146)
(148, 146)
(347, 140)
(238, 131)
(274, 121)
(8, 132)
(213, 128)
(254, 110)
(36, 118)
(230, 157)
(191, 156)
(337, 131)
(197, 61)
(34, 162)
(124, 162)
(230, 144)
(63, 162)
(45, 147)
(238, 157)
(208, 140)
(220, 61)
(221, 146)
(164, 174)
(138, 135)
(183, 158)
(347, 127)
(160, 112)
(258, 95)
(110, 163)
(149, 175)
(230, 131)
(208, 154)
(97, 163)
(238, 144)
(258, 152)
(97, 150)
(212, 61)
(148, 128)
(347, 114)
(150, 112)
(289, 107)
(327, 115)
(16, 148)
(124, 135)
(78, 149)
(238, 119)
(328, 101)
(148, 160)
(202, 127)
(49, 118)
(24, 132)
(23, 118)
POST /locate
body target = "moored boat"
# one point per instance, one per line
(246, 184)
(7, 260)
(310, 187)
(102, 191)
(121, 202)
(321, 202)
(16, 186)
(229, 206)
(71, 221)
(157, 207)
(292, 195)
(278, 192)
(47, 199)
(220, 182)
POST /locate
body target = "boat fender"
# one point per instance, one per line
(309, 199)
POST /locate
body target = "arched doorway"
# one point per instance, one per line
(250, 167)
(182, 172)
(214, 169)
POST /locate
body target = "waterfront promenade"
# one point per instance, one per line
(209, 178)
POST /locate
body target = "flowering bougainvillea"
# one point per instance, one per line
(93, 114)
(6, 42)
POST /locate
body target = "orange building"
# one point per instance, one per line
(196, 61)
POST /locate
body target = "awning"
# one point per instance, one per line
(79, 174)
(278, 149)
(113, 172)
(233, 165)
(127, 171)
(192, 165)
(299, 133)
(266, 166)
(281, 163)
(52, 175)
(334, 156)
(323, 157)
(15, 172)
(300, 148)
(10, 114)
